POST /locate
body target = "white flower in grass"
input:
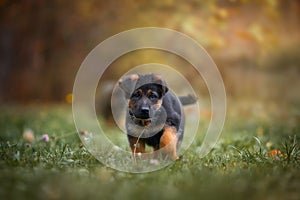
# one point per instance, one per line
(28, 135)
(116, 148)
(154, 162)
(88, 136)
(45, 138)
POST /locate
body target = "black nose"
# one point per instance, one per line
(145, 110)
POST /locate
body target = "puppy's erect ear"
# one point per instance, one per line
(158, 79)
(127, 84)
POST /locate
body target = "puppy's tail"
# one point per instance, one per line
(187, 100)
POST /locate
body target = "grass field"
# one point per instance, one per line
(255, 158)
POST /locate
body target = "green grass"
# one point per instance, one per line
(239, 167)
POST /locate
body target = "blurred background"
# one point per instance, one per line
(255, 44)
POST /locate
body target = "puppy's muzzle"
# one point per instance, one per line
(145, 112)
(142, 120)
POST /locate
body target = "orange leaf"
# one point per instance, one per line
(274, 153)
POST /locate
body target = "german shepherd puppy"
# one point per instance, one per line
(155, 116)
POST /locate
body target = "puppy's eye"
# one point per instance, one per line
(136, 94)
(152, 96)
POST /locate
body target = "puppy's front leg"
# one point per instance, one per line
(136, 145)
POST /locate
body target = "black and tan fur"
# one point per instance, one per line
(155, 116)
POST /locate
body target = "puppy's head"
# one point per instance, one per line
(144, 94)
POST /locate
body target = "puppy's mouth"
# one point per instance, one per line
(140, 121)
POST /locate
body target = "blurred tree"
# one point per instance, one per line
(42, 43)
